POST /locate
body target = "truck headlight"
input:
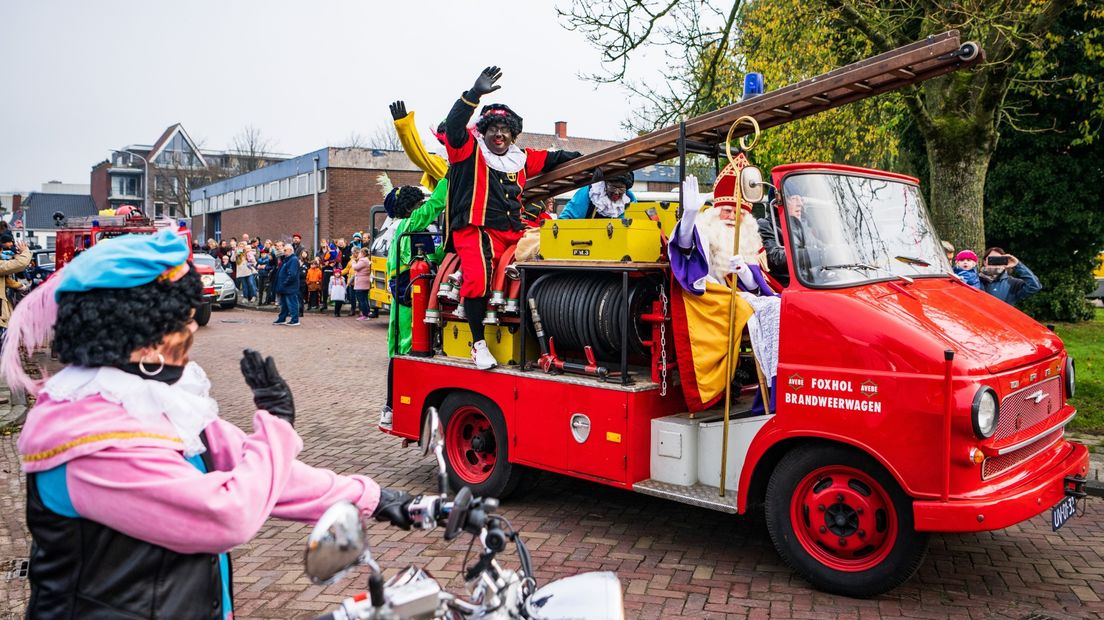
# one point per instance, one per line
(1071, 378)
(985, 413)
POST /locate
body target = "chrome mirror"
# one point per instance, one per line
(336, 544)
(433, 440)
(431, 431)
(751, 184)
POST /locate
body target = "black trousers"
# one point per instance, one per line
(326, 274)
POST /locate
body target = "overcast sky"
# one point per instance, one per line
(81, 77)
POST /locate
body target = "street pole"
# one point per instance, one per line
(314, 183)
(145, 179)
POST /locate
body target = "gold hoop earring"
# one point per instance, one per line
(145, 371)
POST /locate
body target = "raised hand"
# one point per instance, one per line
(692, 200)
(270, 391)
(485, 83)
(398, 110)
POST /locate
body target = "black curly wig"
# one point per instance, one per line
(102, 327)
(493, 113)
(407, 198)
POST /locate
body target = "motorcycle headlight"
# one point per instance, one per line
(985, 413)
(1071, 378)
(207, 280)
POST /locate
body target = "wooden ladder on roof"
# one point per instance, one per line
(911, 64)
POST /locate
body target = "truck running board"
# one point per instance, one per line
(698, 495)
(934, 56)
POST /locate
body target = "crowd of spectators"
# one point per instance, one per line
(337, 276)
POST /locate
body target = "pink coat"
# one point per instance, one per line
(132, 477)
(363, 270)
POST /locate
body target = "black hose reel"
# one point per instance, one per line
(587, 309)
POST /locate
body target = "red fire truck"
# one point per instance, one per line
(906, 401)
(76, 234)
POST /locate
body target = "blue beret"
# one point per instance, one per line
(389, 202)
(123, 262)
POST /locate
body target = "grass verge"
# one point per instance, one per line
(1085, 342)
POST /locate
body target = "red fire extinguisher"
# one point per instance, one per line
(420, 283)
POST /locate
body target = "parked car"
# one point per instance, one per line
(1098, 273)
(225, 290)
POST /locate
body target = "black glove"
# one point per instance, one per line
(398, 110)
(597, 177)
(393, 508)
(270, 391)
(485, 83)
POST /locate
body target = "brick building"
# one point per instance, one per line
(279, 200)
(175, 165)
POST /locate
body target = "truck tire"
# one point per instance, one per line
(839, 519)
(476, 446)
(203, 315)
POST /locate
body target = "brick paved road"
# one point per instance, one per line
(673, 560)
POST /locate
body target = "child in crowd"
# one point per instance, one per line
(966, 268)
(314, 285)
(337, 290)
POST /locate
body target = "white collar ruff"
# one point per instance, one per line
(511, 161)
(602, 203)
(185, 404)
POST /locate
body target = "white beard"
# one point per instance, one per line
(716, 237)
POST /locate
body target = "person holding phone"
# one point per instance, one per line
(1003, 276)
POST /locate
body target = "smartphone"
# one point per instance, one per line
(996, 260)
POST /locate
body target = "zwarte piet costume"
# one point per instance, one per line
(485, 208)
(136, 488)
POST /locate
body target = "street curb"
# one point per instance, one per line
(1095, 488)
(257, 308)
(276, 309)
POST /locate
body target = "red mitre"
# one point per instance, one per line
(724, 190)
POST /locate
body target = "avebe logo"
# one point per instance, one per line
(796, 382)
(869, 389)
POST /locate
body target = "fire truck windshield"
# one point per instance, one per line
(848, 229)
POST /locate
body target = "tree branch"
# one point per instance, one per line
(722, 47)
(882, 40)
(919, 112)
(611, 31)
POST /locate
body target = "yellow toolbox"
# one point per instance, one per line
(628, 240)
(503, 341)
(666, 211)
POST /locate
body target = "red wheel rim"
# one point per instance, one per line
(844, 518)
(470, 444)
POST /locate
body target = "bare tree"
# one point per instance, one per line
(384, 137)
(355, 140)
(172, 186)
(695, 37)
(249, 147)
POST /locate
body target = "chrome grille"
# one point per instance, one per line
(996, 465)
(1019, 413)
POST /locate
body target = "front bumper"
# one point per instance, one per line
(1004, 507)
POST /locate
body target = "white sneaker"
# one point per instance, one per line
(386, 416)
(482, 357)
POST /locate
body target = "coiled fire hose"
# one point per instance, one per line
(587, 309)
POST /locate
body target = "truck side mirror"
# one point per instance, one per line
(751, 184)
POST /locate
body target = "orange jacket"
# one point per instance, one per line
(314, 279)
